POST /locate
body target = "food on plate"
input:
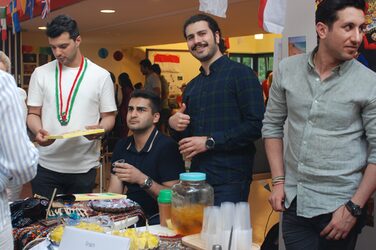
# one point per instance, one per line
(57, 234)
(139, 240)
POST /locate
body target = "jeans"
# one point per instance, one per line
(304, 233)
(46, 180)
(231, 192)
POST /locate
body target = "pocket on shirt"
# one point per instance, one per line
(338, 115)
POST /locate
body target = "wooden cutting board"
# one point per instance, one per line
(193, 241)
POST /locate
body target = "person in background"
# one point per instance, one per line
(152, 80)
(151, 160)
(165, 92)
(13, 190)
(81, 97)
(117, 95)
(126, 90)
(179, 98)
(18, 156)
(221, 115)
(328, 100)
(266, 85)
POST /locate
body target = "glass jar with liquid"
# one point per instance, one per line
(189, 198)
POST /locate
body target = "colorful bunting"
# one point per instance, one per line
(3, 19)
(45, 8)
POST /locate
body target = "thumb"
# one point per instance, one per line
(182, 108)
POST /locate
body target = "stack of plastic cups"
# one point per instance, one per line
(228, 226)
(211, 230)
(242, 231)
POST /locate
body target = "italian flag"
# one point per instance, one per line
(271, 15)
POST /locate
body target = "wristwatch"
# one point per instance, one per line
(354, 209)
(210, 143)
(147, 183)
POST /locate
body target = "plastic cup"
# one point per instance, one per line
(118, 161)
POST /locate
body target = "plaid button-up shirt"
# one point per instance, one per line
(227, 105)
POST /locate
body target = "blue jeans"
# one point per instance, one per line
(231, 192)
(304, 233)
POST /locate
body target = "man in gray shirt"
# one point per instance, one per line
(152, 80)
(328, 98)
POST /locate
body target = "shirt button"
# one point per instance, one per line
(310, 122)
(317, 79)
(304, 142)
(316, 101)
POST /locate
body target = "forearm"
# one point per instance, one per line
(34, 121)
(108, 121)
(367, 186)
(153, 191)
(274, 153)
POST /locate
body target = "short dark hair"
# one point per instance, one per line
(327, 9)
(124, 80)
(213, 25)
(145, 63)
(156, 68)
(155, 100)
(61, 24)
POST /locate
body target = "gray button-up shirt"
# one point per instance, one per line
(331, 131)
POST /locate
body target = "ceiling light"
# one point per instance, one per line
(259, 36)
(108, 11)
(42, 28)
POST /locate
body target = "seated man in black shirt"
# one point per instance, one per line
(151, 160)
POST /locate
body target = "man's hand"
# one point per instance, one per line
(179, 121)
(340, 225)
(95, 136)
(277, 198)
(127, 172)
(41, 138)
(191, 146)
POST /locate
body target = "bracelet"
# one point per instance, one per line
(278, 179)
(278, 183)
(31, 113)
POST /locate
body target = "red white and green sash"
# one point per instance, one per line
(63, 115)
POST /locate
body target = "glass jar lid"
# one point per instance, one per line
(192, 176)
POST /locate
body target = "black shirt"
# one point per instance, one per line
(160, 159)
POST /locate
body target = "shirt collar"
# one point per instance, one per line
(340, 69)
(148, 145)
(215, 65)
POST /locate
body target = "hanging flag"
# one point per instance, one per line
(45, 8)
(30, 8)
(3, 20)
(15, 17)
(22, 4)
(271, 15)
(214, 7)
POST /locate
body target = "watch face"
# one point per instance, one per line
(210, 143)
(148, 183)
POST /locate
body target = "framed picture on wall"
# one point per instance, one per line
(29, 58)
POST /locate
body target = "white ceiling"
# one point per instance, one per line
(148, 22)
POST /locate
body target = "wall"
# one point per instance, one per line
(132, 56)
